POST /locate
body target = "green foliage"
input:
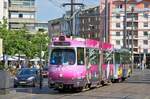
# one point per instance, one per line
(122, 56)
(1, 66)
(23, 42)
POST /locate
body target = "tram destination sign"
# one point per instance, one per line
(61, 43)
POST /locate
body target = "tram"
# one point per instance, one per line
(77, 63)
(74, 63)
(121, 64)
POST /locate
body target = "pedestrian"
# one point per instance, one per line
(142, 65)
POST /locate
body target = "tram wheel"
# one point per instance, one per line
(102, 83)
(118, 80)
(123, 78)
(79, 89)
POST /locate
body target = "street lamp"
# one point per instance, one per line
(41, 64)
(132, 56)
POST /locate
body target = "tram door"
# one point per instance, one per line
(92, 63)
(88, 65)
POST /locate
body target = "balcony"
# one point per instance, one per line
(16, 26)
(21, 8)
(118, 0)
(21, 20)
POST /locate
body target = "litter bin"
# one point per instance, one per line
(6, 82)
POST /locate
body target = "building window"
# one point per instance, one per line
(118, 16)
(145, 42)
(145, 33)
(5, 5)
(117, 42)
(20, 15)
(145, 24)
(82, 21)
(82, 28)
(145, 15)
(146, 5)
(119, 6)
(135, 49)
(117, 24)
(145, 50)
(89, 19)
(117, 33)
(129, 24)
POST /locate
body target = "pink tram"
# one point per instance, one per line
(76, 63)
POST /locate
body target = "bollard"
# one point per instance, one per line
(6, 82)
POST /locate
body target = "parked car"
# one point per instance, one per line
(27, 76)
(45, 72)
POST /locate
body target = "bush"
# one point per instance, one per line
(2, 67)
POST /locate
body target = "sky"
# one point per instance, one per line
(51, 9)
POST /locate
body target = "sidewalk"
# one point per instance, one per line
(140, 76)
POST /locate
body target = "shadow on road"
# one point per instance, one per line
(36, 90)
(44, 90)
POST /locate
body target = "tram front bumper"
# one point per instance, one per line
(67, 83)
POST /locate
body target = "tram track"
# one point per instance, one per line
(92, 97)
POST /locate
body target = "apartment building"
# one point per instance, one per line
(89, 22)
(138, 23)
(22, 14)
(3, 9)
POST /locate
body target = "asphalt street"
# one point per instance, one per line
(135, 87)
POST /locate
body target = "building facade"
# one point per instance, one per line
(89, 26)
(3, 9)
(85, 23)
(137, 23)
(41, 26)
(55, 27)
(22, 14)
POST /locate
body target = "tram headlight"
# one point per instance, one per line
(79, 78)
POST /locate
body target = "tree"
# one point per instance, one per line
(40, 39)
(23, 42)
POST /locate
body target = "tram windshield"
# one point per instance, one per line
(62, 57)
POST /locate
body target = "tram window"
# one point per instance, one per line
(108, 57)
(62, 57)
(80, 56)
(93, 56)
(117, 58)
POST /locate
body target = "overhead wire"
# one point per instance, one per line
(58, 4)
